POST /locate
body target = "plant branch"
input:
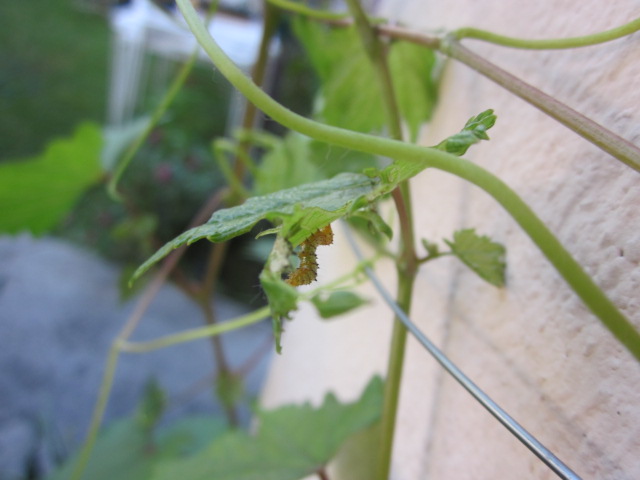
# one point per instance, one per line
(606, 140)
(549, 43)
(394, 377)
(167, 99)
(570, 270)
(613, 144)
(195, 333)
(158, 113)
(407, 267)
(98, 413)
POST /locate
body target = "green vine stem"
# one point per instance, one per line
(605, 139)
(608, 141)
(564, 263)
(158, 113)
(195, 333)
(551, 43)
(98, 413)
(407, 265)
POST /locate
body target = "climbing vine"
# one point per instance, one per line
(375, 79)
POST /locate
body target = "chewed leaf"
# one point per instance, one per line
(474, 130)
(480, 254)
(301, 210)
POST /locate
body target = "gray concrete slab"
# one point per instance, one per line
(59, 313)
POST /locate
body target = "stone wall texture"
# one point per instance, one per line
(533, 346)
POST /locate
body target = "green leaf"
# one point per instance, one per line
(37, 193)
(474, 130)
(337, 303)
(480, 254)
(127, 449)
(332, 160)
(415, 85)
(286, 165)
(376, 227)
(350, 98)
(302, 210)
(189, 435)
(122, 451)
(291, 443)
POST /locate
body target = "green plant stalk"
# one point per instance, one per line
(167, 99)
(606, 140)
(239, 193)
(407, 263)
(221, 147)
(157, 115)
(271, 18)
(550, 43)
(98, 413)
(195, 333)
(570, 270)
(394, 376)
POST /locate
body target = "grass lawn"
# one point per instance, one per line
(54, 60)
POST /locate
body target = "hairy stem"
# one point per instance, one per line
(570, 270)
(549, 43)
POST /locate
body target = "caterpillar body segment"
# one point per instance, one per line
(307, 271)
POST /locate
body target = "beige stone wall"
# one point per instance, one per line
(532, 346)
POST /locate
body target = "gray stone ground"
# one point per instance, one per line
(59, 312)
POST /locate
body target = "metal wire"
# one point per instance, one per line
(529, 441)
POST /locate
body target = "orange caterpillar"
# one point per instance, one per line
(307, 272)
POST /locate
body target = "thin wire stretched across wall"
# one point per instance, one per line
(529, 441)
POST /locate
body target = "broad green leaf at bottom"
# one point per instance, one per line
(292, 442)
